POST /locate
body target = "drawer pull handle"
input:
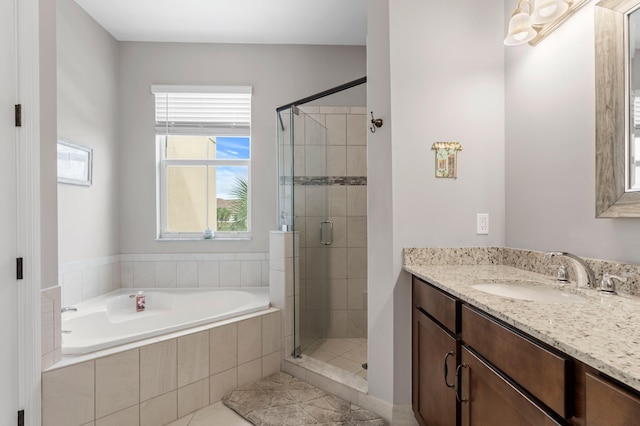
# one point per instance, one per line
(459, 380)
(446, 370)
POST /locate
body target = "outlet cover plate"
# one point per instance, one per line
(482, 224)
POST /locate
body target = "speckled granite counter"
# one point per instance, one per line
(600, 331)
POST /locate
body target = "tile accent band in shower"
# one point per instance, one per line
(324, 180)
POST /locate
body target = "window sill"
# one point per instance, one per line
(168, 240)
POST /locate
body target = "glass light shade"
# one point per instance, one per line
(520, 30)
(545, 11)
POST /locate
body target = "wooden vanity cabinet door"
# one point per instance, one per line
(608, 404)
(488, 399)
(434, 404)
(544, 374)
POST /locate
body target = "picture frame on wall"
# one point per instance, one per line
(75, 163)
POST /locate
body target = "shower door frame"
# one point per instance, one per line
(297, 349)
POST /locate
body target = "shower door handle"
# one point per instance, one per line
(326, 232)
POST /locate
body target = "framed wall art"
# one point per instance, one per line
(447, 159)
(75, 163)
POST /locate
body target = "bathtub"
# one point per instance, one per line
(111, 320)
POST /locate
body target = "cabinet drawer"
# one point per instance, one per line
(608, 404)
(544, 374)
(488, 399)
(436, 303)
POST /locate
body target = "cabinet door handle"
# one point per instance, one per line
(446, 370)
(459, 380)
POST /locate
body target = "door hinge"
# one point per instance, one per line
(21, 418)
(18, 111)
(19, 268)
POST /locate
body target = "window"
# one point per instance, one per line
(203, 136)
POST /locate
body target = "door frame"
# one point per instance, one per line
(28, 210)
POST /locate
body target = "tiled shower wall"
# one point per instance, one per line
(346, 192)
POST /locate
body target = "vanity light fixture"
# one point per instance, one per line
(531, 24)
(520, 29)
(546, 11)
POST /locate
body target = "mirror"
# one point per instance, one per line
(633, 156)
(617, 176)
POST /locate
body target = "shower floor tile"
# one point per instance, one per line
(346, 354)
(345, 364)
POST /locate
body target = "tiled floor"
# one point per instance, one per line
(347, 354)
(214, 415)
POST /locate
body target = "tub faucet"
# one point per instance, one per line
(584, 274)
(68, 308)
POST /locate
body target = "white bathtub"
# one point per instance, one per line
(112, 320)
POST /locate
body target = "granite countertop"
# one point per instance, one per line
(600, 331)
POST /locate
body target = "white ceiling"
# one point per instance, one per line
(334, 22)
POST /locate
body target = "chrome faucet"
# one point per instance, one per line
(584, 274)
(607, 285)
(68, 308)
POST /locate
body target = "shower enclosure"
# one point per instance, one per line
(303, 196)
(322, 198)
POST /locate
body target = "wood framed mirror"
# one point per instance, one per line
(614, 107)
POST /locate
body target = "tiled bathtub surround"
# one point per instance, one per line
(87, 279)
(283, 267)
(170, 377)
(51, 341)
(522, 259)
(195, 270)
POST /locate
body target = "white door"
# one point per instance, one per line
(8, 219)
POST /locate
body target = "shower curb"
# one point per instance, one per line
(337, 382)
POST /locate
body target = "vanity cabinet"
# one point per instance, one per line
(489, 399)
(435, 356)
(609, 404)
(544, 374)
(506, 377)
(451, 338)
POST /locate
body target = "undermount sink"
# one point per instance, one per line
(532, 292)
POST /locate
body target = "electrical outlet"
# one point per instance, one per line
(482, 223)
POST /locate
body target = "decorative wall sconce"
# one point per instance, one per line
(531, 24)
(447, 159)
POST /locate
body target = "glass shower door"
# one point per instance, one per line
(311, 208)
(304, 208)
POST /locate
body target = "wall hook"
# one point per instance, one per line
(377, 122)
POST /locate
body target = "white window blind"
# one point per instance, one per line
(187, 110)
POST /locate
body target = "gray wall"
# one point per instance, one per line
(48, 135)
(87, 115)
(380, 271)
(550, 152)
(444, 86)
(279, 74)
